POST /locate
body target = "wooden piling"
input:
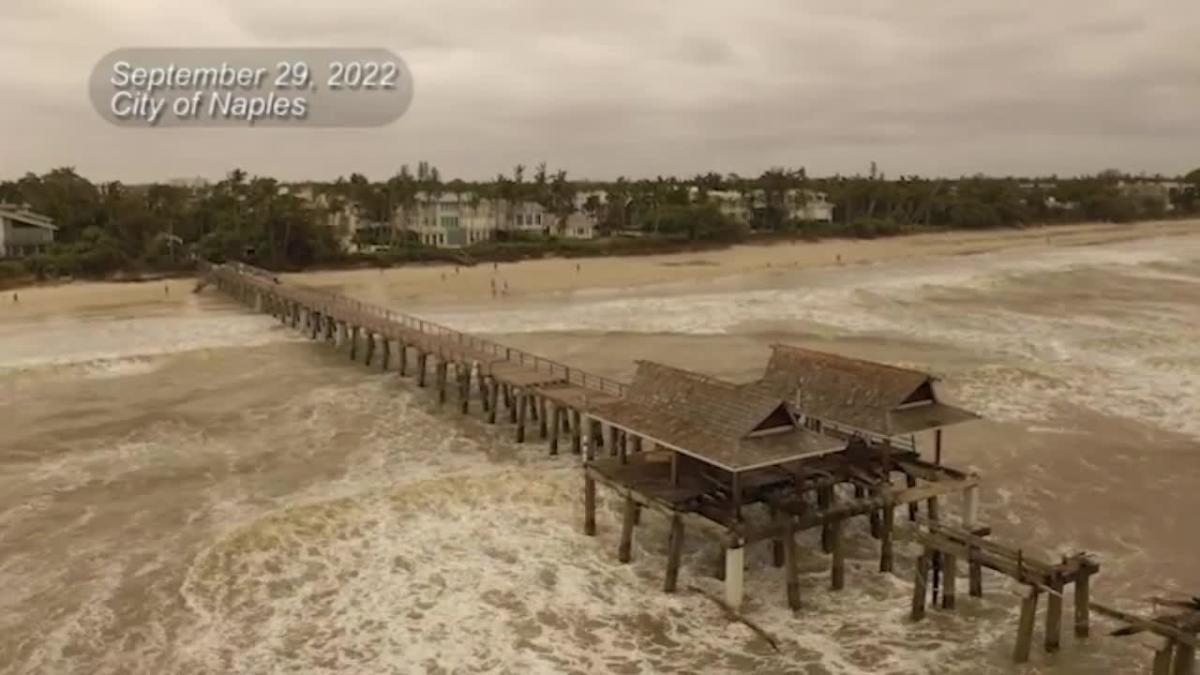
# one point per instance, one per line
(625, 549)
(522, 405)
(1164, 656)
(555, 427)
(370, 347)
(441, 380)
(674, 552)
(920, 580)
(791, 564)
(911, 482)
(837, 563)
(543, 423)
(1054, 612)
(1082, 605)
(777, 555)
(576, 432)
(494, 400)
(886, 560)
(612, 440)
(464, 387)
(825, 497)
(386, 347)
(1185, 659)
(589, 504)
(402, 357)
(353, 342)
(975, 578)
(422, 366)
(949, 580)
(1025, 626)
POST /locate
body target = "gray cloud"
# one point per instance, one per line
(636, 88)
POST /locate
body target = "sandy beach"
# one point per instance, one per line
(439, 284)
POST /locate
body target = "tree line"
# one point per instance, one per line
(107, 227)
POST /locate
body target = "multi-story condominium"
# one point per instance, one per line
(801, 205)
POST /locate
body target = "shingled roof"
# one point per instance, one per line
(868, 396)
(715, 421)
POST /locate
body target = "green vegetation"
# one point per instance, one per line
(112, 228)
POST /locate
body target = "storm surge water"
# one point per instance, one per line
(202, 491)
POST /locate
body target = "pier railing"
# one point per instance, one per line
(329, 299)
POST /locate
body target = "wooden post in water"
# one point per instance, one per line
(1025, 626)
(974, 574)
(555, 427)
(464, 387)
(385, 345)
(837, 563)
(494, 401)
(791, 564)
(589, 504)
(777, 554)
(510, 400)
(920, 591)
(1185, 659)
(522, 406)
(1163, 658)
(911, 482)
(370, 347)
(624, 550)
(825, 497)
(422, 367)
(441, 379)
(950, 580)
(674, 552)
(543, 423)
(1054, 612)
(402, 357)
(885, 537)
(353, 343)
(576, 432)
(1082, 605)
(612, 440)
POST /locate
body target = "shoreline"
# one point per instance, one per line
(424, 285)
(665, 249)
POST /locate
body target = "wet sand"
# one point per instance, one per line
(186, 487)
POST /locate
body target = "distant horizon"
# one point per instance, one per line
(683, 177)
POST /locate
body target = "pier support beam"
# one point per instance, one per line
(441, 380)
(386, 346)
(464, 387)
(791, 564)
(589, 504)
(522, 400)
(837, 563)
(735, 570)
(422, 362)
(1025, 626)
(576, 432)
(494, 403)
(625, 549)
(370, 347)
(674, 553)
(555, 427)
(886, 559)
(920, 585)
(1082, 605)
(402, 357)
(1054, 612)
(353, 342)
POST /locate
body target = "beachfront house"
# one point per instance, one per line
(23, 232)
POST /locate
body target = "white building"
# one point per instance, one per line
(23, 232)
(801, 205)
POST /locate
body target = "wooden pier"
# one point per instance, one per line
(818, 440)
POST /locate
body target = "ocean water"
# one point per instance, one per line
(204, 491)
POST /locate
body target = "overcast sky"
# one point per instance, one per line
(641, 87)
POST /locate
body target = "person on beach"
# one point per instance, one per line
(167, 289)
(577, 268)
(15, 299)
